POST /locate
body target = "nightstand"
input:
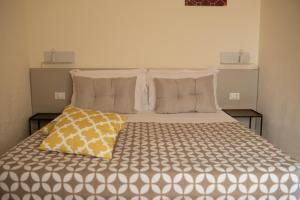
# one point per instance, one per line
(246, 113)
(41, 117)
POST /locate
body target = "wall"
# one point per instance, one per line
(142, 33)
(279, 93)
(15, 103)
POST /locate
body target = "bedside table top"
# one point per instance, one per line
(44, 116)
(242, 113)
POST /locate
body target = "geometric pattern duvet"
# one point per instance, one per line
(156, 161)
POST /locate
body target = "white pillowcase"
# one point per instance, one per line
(141, 100)
(177, 74)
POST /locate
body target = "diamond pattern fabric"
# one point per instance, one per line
(86, 132)
(48, 127)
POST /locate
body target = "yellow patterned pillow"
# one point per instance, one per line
(45, 130)
(85, 132)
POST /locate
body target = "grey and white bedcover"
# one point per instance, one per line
(156, 161)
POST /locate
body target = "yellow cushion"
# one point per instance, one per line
(45, 130)
(85, 132)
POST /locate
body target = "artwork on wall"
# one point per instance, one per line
(205, 2)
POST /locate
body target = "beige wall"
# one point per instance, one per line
(279, 92)
(142, 33)
(15, 106)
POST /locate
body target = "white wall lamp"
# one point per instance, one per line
(59, 57)
(240, 57)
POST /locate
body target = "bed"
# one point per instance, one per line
(157, 156)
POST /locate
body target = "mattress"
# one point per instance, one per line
(219, 116)
(155, 160)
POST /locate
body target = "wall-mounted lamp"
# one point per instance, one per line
(240, 57)
(59, 57)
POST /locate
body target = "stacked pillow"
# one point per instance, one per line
(120, 91)
(185, 95)
(105, 94)
(83, 131)
(182, 91)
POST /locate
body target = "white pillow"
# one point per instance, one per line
(177, 74)
(141, 97)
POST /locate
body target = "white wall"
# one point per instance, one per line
(15, 106)
(142, 33)
(279, 92)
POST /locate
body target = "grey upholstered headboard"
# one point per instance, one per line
(46, 81)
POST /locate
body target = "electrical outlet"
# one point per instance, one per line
(234, 96)
(59, 95)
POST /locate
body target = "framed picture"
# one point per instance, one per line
(205, 2)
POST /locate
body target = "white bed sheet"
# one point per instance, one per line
(219, 116)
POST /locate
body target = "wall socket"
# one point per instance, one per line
(234, 96)
(59, 95)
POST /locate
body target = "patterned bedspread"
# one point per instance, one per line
(156, 161)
